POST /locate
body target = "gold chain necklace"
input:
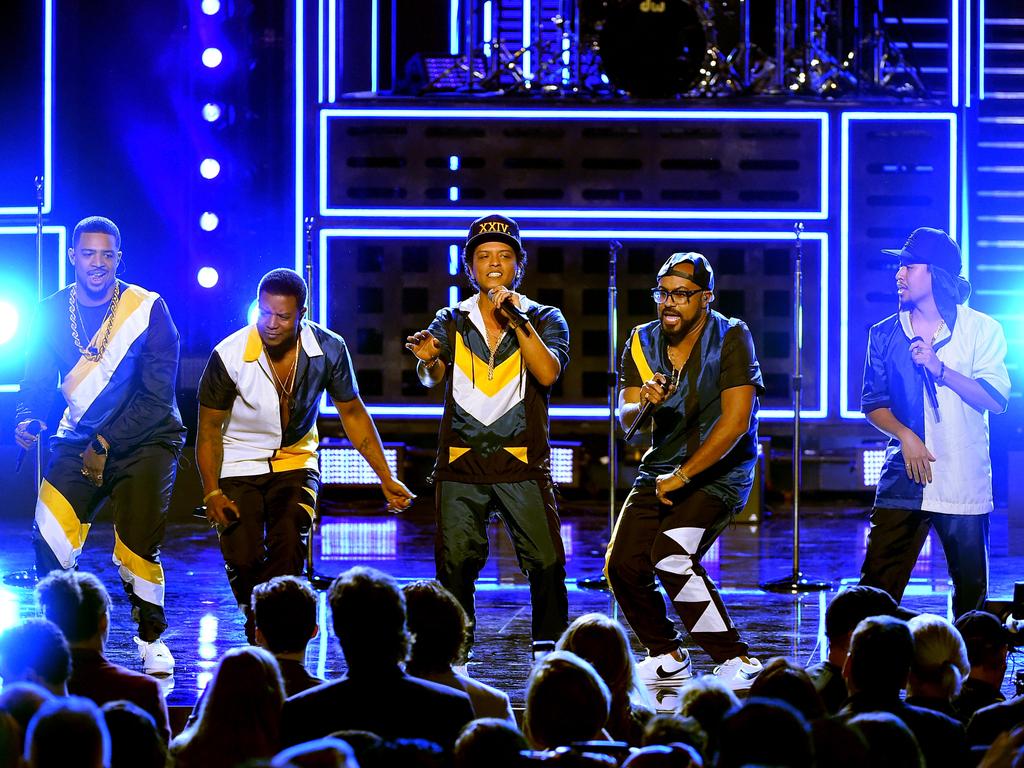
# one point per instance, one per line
(494, 350)
(284, 388)
(92, 354)
(938, 330)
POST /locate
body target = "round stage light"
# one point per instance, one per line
(209, 168)
(207, 277)
(208, 221)
(210, 7)
(212, 57)
(9, 320)
(211, 112)
(253, 312)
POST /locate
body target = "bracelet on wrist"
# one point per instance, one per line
(211, 494)
(941, 378)
(678, 472)
(433, 361)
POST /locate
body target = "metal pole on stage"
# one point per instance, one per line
(614, 247)
(39, 297)
(796, 581)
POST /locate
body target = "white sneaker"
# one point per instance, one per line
(737, 673)
(156, 657)
(666, 669)
(461, 669)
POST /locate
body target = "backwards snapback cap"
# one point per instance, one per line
(703, 275)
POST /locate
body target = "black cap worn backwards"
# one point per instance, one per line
(703, 275)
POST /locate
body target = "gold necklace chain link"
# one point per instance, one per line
(92, 354)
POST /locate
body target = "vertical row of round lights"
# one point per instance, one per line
(209, 167)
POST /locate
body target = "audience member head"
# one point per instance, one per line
(78, 603)
(35, 651)
(665, 756)
(361, 743)
(765, 732)
(707, 700)
(489, 742)
(881, 651)
(602, 641)
(135, 741)
(566, 701)
(783, 680)
(68, 732)
(988, 643)
(368, 611)
(407, 753)
(891, 744)
(675, 729)
(21, 701)
(848, 609)
(11, 747)
(328, 752)
(284, 611)
(940, 658)
(438, 624)
(240, 717)
(837, 745)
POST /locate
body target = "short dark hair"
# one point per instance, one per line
(881, 651)
(135, 741)
(783, 680)
(37, 645)
(284, 282)
(491, 742)
(765, 732)
(284, 610)
(438, 624)
(75, 601)
(854, 604)
(368, 614)
(96, 224)
(68, 731)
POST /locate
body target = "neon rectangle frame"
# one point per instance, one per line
(62, 246)
(421, 113)
(29, 210)
(844, 224)
(587, 412)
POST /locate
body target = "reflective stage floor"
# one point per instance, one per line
(204, 621)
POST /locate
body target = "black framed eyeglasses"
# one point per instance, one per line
(679, 296)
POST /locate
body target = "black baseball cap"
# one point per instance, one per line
(929, 246)
(703, 275)
(981, 630)
(493, 228)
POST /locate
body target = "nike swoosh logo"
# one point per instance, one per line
(660, 672)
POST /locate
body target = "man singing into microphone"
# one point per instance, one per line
(498, 353)
(937, 471)
(696, 475)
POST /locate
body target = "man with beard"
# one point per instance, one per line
(694, 478)
(115, 349)
(933, 372)
(499, 354)
(259, 398)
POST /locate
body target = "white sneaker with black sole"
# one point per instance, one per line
(156, 657)
(738, 672)
(666, 669)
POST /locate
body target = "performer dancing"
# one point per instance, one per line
(121, 434)
(694, 478)
(257, 445)
(933, 372)
(499, 354)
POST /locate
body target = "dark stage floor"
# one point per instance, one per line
(204, 621)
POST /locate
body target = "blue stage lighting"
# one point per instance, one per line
(208, 221)
(210, 7)
(254, 312)
(207, 277)
(211, 112)
(212, 57)
(209, 168)
(9, 320)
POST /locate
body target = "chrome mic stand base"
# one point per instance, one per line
(796, 584)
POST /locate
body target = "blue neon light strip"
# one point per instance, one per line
(967, 52)
(29, 210)
(981, 50)
(845, 410)
(595, 412)
(332, 47)
(62, 247)
(375, 44)
(320, 52)
(527, 22)
(954, 50)
(821, 118)
(300, 88)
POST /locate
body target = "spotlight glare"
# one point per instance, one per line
(208, 221)
(207, 277)
(253, 313)
(210, 7)
(212, 57)
(211, 112)
(9, 321)
(209, 168)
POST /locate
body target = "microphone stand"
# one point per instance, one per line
(796, 581)
(39, 297)
(614, 247)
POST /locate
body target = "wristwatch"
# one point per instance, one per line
(98, 447)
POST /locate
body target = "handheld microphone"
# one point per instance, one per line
(929, 383)
(645, 410)
(512, 311)
(34, 427)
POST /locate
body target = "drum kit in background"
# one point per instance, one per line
(666, 49)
